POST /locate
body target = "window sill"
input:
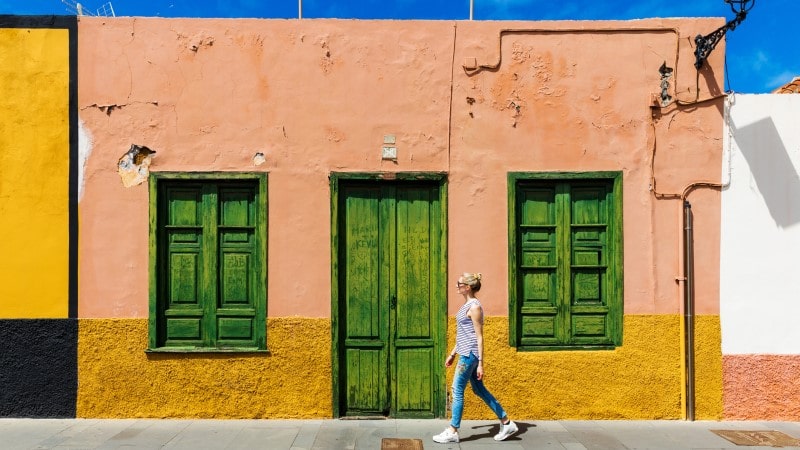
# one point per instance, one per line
(561, 348)
(206, 350)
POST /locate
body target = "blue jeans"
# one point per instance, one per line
(467, 369)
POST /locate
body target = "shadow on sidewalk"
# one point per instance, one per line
(491, 430)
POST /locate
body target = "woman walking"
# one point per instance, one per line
(469, 346)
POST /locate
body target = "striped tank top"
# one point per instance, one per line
(466, 339)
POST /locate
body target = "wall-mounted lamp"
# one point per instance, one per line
(705, 44)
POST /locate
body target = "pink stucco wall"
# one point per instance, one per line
(318, 96)
(761, 387)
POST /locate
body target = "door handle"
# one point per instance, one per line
(393, 302)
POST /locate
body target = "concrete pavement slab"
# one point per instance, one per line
(333, 434)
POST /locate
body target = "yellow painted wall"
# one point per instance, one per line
(708, 368)
(34, 172)
(640, 380)
(118, 379)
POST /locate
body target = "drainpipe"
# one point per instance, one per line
(688, 306)
(299, 9)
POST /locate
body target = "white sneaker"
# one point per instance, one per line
(506, 431)
(446, 436)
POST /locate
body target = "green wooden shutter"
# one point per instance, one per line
(183, 264)
(210, 263)
(237, 269)
(588, 285)
(539, 293)
(567, 279)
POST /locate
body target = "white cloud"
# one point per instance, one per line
(782, 78)
(760, 61)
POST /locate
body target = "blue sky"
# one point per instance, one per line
(762, 53)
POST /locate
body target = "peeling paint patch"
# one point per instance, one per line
(326, 62)
(200, 40)
(134, 165)
(259, 159)
(85, 144)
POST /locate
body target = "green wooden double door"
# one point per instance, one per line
(390, 298)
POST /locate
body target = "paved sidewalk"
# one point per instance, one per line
(367, 434)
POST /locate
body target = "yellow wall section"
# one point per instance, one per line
(118, 379)
(34, 186)
(640, 380)
(708, 368)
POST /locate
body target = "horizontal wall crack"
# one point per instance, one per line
(109, 108)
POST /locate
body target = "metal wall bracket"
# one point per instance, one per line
(704, 45)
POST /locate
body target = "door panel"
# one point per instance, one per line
(361, 272)
(416, 297)
(365, 333)
(414, 380)
(391, 289)
(366, 379)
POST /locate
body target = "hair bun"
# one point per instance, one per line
(478, 276)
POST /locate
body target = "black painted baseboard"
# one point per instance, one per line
(38, 367)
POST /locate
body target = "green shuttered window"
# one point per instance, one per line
(565, 268)
(208, 262)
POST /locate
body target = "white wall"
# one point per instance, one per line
(760, 248)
